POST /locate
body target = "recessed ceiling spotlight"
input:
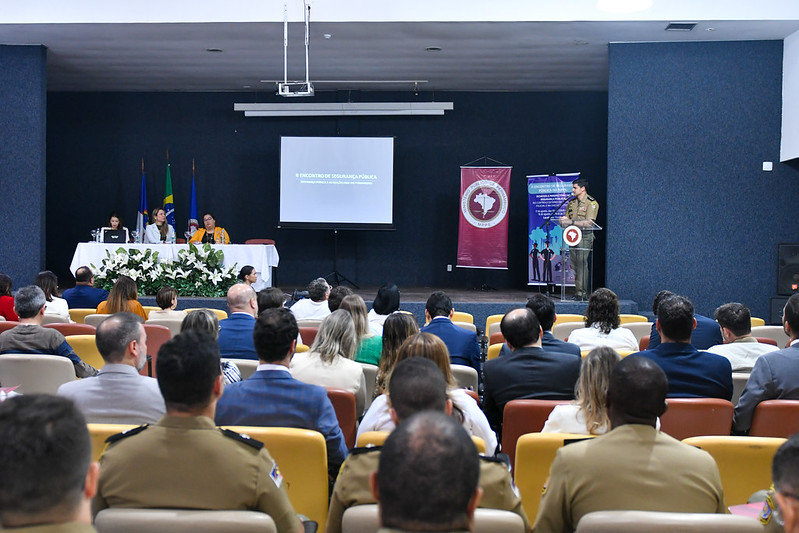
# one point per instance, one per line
(580, 42)
(247, 87)
(433, 49)
(213, 49)
(710, 29)
(327, 35)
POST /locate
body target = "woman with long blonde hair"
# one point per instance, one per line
(122, 299)
(369, 344)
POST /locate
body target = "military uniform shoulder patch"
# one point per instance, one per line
(125, 434)
(275, 475)
(244, 439)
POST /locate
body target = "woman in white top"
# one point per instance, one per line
(465, 408)
(167, 300)
(53, 306)
(386, 302)
(159, 231)
(329, 362)
(602, 325)
(587, 414)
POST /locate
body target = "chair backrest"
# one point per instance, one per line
(492, 319)
(2, 318)
(35, 373)
(775, 418)
(122, 520)
(691, 417)
(562, 331)
(534, 455)
(156, 336)
(568, 317)
(309, 323)
(148, 308)
(174, 324)
(99, 432)
(259, 241)
(639, 329)
(54, 319)
(95, 319)
(496, 338)
(766, 340)
(10, 324)
(662, 522)
(744, 463)
(524, 416)
(378, 438)
(308, 334)
(67, 329)
(739, 380)
(302, 457)
(344, 404)
(465, 325)
(370, 376)
(220, 314)
(772, 332)
(86, 348)
(460, 316)
(643, 343)
(494, 327)
(77, 314)
(301, 348)
(493, 351)
(365, 519)
(754, 321)
(466, 376)
(631, 319)
(247, 367)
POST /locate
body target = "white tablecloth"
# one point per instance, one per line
(261, 256)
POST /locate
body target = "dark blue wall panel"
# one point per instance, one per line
(689, 208)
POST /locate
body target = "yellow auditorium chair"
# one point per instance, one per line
(86, 348)
(460, 316)
(567, 317)
(632, 319)
(492, 319)
(302, 348)
(99, 432)
(148, 308)
(78, 314)
(756, 321)
(35, 373)
(493, 351)
(378, 438)
(220, 314)
(744, 463)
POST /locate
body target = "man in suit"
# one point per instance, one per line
(785, 475)
(544, 309)
(84, 295)
(235, 332)
(705, 334)
(775, 375)
(632, 467)
(529, 371)
(461, 343)
(691, 373)
(740, 347)
(271, 397)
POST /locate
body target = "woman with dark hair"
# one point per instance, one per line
(122, 298)
(369, 344)
(206, 320)
(159, 231)
(397, 327)
(167, 300)
(210, 233)
(602, 323)
(248, 275)
(6, 300)
(115, 222)
(54, 306)
(386, 302)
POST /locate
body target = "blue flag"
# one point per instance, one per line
(141, 217)
(193, 223)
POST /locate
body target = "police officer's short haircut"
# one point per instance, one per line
(115, 333)
(274, 331)
(544, 309)
(520, 327)
(785, 466)
(44, 459)
(337, 294)
(638, 388)
(428, 472)
(676, 317)
(416, 385)
(659, 297)
(735, 317)
(187, 367)
(28, 301)
(439, 304)
(791, 313)
(83, 274)
(581, 182)
(318, 289)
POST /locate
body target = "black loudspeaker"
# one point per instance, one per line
(775, 311)
(787, 269)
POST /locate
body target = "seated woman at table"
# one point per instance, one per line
(122, 298)
(159, 231)
(115, 223)
(211, 233)
(6, 300)
(53, 305)
(248, 275)
(167, 300)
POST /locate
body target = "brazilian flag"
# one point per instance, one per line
(169, 200)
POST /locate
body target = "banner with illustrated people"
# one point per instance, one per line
(547, 195)
(483, 227)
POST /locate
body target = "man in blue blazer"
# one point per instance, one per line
(543, 308)
(84, 294)
(235, 332)
(271, 397)
(461, 343)
(706, 334)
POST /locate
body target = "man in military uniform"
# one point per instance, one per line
(581, 212)
(185, 461)
(632, 467)
(416, 385)
(785, 475)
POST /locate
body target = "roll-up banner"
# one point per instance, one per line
(483, 228)
(547, 195)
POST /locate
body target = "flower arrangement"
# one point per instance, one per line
(196, 272)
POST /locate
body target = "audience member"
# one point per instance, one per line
(122, 299)
(337, 293)
(705, 335)
(740, 347)
(633, 466)
(235, 332)
(30, 337)
(157, 466)
(461, 343)
(55, 306)
(369, 344)
(6, 300)
(602, 323)
(329, 363)
(119, 394)
(315, 306)
(588, 413)
(248, 275)
(416, 386)
(270, 298)
(785, 475)
(386, 302)
(775, 375)
(691, 373)
(544, 309)
(409, 497)
(397, 327)
(272, 397)
(167, 300)
(84, 295)
(529, 371)
(428, 346)
(207, 321)
(48, 478)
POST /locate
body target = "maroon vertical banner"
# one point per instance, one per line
(483, 228)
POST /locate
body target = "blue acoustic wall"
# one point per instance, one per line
(689, 208)
(23, 98)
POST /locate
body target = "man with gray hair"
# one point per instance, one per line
(315, 306)
(119, 394)
(31, 337)
(235, 332)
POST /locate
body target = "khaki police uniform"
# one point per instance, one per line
(577, 210)
(352, 486)
(633, 467)
(189, 463)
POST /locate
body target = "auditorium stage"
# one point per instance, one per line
(479, 303)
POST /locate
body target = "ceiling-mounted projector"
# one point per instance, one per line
(295, 88)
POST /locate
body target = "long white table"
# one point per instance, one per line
(261, 256)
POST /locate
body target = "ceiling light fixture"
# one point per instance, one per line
(316, 109)
(433, 49)
(681, 26)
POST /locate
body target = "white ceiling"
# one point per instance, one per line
(501, 46)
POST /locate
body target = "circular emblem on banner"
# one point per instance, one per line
(484, 204)
(572, 235)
